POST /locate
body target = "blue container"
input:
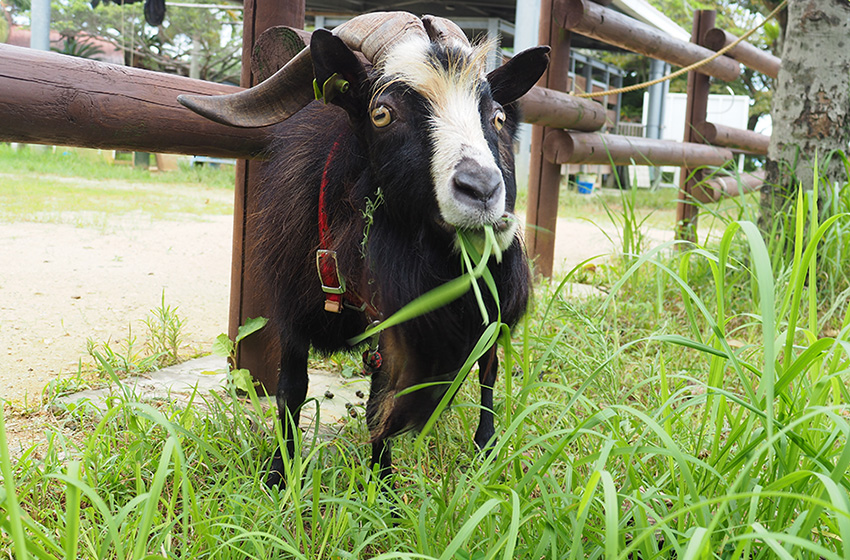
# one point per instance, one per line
(585, 187)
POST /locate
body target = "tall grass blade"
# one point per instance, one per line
(72, 512)
(466, 530)
(12, 509)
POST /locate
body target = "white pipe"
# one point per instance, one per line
(40, 25)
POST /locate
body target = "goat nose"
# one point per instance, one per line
(474, 181)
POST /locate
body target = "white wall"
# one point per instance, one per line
(728, 110)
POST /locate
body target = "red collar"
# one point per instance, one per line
(333, 282)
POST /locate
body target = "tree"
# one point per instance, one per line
(215, 33)
(736, 17)
(812, 101)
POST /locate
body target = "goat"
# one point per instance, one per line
(423, 139)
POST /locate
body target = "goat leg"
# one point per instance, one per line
(291, 392)
(488, 367)
(381, 446)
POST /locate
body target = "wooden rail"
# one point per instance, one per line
(715, 188)
(748, 55)
(736, 138)
(587, 147)
(592, 20)
(49, 98)
(556, 109)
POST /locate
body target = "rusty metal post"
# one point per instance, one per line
(259, 353)
(544, 177)
(695, 113)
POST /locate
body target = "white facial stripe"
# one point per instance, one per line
(457, 134)
(455, 123)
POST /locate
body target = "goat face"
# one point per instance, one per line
(429, 114)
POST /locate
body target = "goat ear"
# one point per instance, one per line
(512, 80)
(339, 73)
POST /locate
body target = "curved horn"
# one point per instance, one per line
(269, 102)
(444, 31)
(289, 89)
(374, 34)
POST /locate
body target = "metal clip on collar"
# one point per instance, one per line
(333, 284)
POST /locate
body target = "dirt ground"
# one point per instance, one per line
(61, 285)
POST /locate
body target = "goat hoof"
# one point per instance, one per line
(274, 480)
(275, 477)
(486, 446)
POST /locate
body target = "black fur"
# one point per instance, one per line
(409, 249)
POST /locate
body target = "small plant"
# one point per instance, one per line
(165, 333)
(368, 218)
(631, 227)
(127, 360)
(67, 385)
(74, 47)
(239, 379)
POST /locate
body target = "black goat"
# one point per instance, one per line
(378, 181)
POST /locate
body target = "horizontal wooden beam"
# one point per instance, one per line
(49, 98)
(745, 53)
(556, 109)
(716, 188)
(590, 147)
(735, 138)
(611, 27)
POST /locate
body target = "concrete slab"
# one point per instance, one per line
(334, 393)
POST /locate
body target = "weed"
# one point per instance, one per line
(67, 385)
(127, 359)
(238, 380)
(165, 333)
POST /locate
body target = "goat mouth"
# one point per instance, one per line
(504, 222)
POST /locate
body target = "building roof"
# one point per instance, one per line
(643, 11)
(505, 10)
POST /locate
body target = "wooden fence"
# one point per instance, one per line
(48, 98)
(705, 144)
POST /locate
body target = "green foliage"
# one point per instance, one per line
(81, 48)
(239, 379)
(126, 359)
(165, 48)
(166, 331)
(165, 334)
(699, 410)
(32, 188)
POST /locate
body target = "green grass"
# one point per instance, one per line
(700, 410)
(82, 187)
(89, 164)
(655, 208)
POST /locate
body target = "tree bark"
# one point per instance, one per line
(811, 103)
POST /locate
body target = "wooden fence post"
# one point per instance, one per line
(259, 353)
(545, 177)
(695, 114)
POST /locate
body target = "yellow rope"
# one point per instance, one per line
(693, 66)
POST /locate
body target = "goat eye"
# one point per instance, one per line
(499, 119)
(381, 116)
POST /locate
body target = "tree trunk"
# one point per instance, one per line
(811, 105)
